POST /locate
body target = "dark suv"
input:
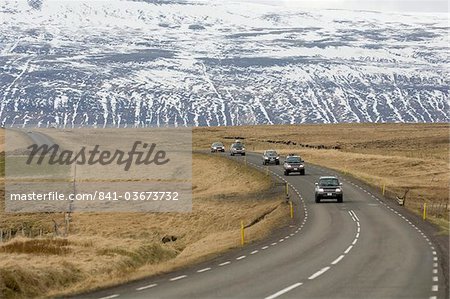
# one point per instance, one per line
(293, 164)
(329, 187)
(271, 156)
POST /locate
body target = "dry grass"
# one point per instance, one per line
(412, 157)
(37, 246)
(109, 248)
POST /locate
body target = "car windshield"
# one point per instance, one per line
(238, 145)
(329, 182)
(217, 144)
(271, 153)
(293, 159)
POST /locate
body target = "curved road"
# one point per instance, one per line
(361, 248)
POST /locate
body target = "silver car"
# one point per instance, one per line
(237, 149)
(329, 187)
(217, 147)
(271, 156)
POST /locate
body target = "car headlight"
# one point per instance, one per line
(289, 166)
(320, 190)
(277, 158)
(338, 189)
(266, 158)
(243, 148)
(301, 166)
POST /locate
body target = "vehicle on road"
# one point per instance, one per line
(294, 164)
(329, 187)
(237, 149)
(271, 156)
(217, 147)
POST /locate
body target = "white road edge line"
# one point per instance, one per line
(110, 297)
(348, 249)
(254, 251)
(318, 273)
(146, 287)
(337, 260)
(283, 291)
(241, 257)
(225, 263)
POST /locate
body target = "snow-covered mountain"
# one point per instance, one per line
(161, 62)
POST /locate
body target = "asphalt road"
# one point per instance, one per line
(39, 138)
(361, 248)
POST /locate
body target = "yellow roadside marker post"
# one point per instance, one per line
(292, 209)
(267, 170)
(287, 189)
(242, 233)
(384, 188)
(424, 211)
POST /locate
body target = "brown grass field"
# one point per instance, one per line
(402, 157)
(108, 248)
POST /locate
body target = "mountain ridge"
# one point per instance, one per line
(156, 63)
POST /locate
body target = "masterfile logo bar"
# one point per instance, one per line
(146, 156)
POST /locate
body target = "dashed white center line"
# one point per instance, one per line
(274, 243)
(435, 278)
(337, 260)
(178, 278)
(110, 297)
(435, 271)
(285, 290)
(354, 241)
(435, 288)
(225, 263)
(254, 251)
(203, 270)
(318, 273)
(147, 287)
(264, 247)
(241, 257)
